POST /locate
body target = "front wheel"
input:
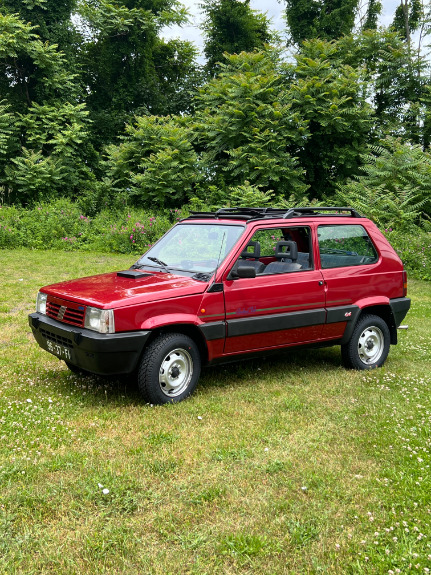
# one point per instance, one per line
(369, 344)
(169, 369)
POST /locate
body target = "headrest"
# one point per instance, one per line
(254, 253)
(286, 250)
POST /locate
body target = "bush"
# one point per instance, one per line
(61, 225)
(394, 187)
(414, 250)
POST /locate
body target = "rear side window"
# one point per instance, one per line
(345, 245)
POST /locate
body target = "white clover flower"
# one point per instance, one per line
(105, 491)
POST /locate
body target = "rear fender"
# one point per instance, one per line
(379, 306)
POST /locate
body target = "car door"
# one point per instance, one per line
(277, 309)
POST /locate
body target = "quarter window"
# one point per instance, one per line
(345, 245)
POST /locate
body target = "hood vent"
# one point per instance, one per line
(133, 274)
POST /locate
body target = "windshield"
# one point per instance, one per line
(196, 248)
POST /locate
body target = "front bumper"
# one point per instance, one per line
(103, 354)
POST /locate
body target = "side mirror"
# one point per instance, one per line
(243, 271)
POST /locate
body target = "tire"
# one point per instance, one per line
(169, 369)
(369, 344)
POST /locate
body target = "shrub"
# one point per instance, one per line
(154, 163)
(394, 188)
(414, 250)
(61, 225)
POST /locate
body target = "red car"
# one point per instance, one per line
(221, 286)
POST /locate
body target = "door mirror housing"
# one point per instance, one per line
(243, 271)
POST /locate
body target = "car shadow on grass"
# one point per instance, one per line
(281, 363)
(123, 391)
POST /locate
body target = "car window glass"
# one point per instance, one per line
(194, 247)
(345, 245)
(278, 250)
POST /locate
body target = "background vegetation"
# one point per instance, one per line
(96, 107)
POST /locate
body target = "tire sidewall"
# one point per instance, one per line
(350, 350)
(149, 369)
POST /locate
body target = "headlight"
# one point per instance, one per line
(101, 320)
(41, 302)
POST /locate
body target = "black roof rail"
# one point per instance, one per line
(317, 211)
(271, 213)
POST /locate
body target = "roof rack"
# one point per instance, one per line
(271, 213)
(321, 211)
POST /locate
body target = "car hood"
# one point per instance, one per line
(113, 291)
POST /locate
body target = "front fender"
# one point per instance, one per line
(164, 320)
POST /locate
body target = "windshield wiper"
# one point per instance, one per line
(161, 264)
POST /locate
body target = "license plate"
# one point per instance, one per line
(59, 350)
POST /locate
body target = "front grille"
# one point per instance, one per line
(65, 311)
(65, 341)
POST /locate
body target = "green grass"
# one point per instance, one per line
(296, 465)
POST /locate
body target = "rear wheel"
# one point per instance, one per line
(369, 344)
(169, 369)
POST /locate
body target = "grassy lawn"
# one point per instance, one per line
(286, 465)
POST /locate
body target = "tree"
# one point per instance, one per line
(52, 21)
(127, 68)
(408, 17)
(30, 70)
(231, 26)
(395, 83)
(46, 143)
(246, 127)
(329, 96)
(325, 19)
(155, 164)
(369, 14)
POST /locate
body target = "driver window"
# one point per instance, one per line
(278, 250)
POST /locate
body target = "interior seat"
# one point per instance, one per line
(286, 253)
(250, 257)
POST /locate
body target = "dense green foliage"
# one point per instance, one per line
(394, 187)
(327, 19)
(155, 164)
(97, 107)
(61, 225)
(127, 68)
(232, 26)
